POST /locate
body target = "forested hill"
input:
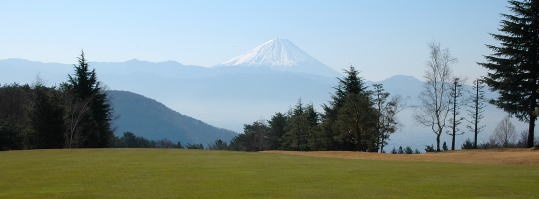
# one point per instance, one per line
(151, 119)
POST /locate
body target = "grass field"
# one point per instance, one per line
(172, 173)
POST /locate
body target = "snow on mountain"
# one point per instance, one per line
(281, 54)
(275, 52)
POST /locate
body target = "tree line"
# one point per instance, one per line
(355, 119)
(130, 140)
(362, 120)
(74, 114)
(513, 72)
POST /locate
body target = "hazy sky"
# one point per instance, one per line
(381, 38)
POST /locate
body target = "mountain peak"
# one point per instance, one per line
(275, 52)
(281, 54)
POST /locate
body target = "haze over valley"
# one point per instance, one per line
(270, 78)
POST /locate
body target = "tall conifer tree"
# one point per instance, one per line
(514, 65)
(349, 113)
(94, 126)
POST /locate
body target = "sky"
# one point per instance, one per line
(382, 38)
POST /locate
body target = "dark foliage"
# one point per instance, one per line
(514, 64)
(76, 115)
(468, 144)
(194, 146)
(88, 109)
(430, 148)
(254, 138)
(130, 140)
(31, 117)
(47, 117)
(352, 120)
(218, 145)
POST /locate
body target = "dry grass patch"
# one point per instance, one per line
(479, 156)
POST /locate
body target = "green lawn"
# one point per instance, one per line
(162, 173)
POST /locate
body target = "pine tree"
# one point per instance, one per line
(253, 137)
(89, 113)
(311, 126)
(350, 117)
(297, 129)
(47, 117)
(16, 130)
(356, 124)
(277, 126)
(514, 65)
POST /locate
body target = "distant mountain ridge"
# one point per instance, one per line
(148, 118)
(231, 95)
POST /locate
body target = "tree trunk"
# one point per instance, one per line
(438, 142)
(531, 129)
(476, 119)
(382, 145)
(454, 122)
(454, 114)
(453, 141)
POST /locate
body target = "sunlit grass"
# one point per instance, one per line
(172, 173)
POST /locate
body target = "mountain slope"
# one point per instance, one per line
(153, 120)
(281, 54)
(232, 96)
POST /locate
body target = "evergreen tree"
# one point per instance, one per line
(514, 65)
(193, 146)
(47, 117)
(416, 151)
(315, 140)
(130, 140)
(394, 151)
(253, 138)
(16, 130)
(430, 148)
(408, 150)
(349, 118)
(468, 144)
(277, 126)
(295, 137)
(356, 124)
(91, 120)
(219, 145)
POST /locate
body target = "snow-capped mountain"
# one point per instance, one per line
(281, 54)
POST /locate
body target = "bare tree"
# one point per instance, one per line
(476, 109)
(504, 135)
(457, 102)
(435, 100)
(387, 109)
(523, 139)
(75, 112)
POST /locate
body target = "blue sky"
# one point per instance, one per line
(382, 38)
